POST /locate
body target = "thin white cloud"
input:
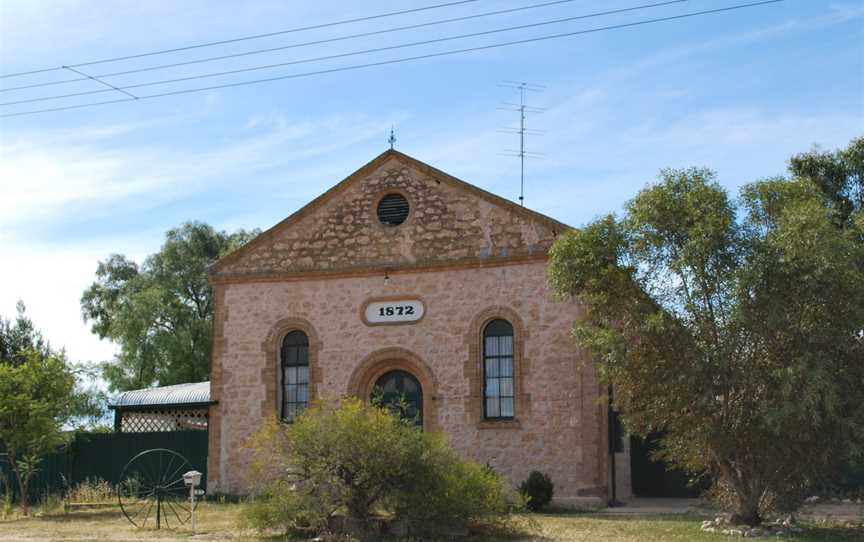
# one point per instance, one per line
(44, 176)
(603, 145)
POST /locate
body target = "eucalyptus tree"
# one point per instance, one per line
(159, 312)
(734, 327)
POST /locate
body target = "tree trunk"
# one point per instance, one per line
(747, 499)
(747, 495)
(23, 483)
(746, 513)
(358, 506)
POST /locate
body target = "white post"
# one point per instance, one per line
(192, 503)
(192, 479)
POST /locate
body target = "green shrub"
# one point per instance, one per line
(538, 489)
(278, 506)
(358, 459)
(447, 489)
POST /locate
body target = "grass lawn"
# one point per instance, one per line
(220, 523)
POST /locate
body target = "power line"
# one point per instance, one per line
(246, 38)
(79, 72)
(304, 44)
(405, 59)
(348, 54)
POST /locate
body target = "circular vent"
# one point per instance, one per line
(392, 209)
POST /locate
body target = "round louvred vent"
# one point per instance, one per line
(392, 209)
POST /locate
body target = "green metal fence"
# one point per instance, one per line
(103, 455)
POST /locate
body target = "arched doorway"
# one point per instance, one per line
(402, 392)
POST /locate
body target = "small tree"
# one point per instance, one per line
(735, 330)
(20, 339)
(20, 336)
(35, 401)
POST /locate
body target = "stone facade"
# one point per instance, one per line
(451, 222)
(469, 257)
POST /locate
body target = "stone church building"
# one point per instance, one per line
(404, 278)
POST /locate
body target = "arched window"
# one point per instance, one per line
(498, 370)
(402, 393)
(295, 374)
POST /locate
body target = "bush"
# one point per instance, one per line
(538, 490)
(50, 504)
(6, 506)
(447, 489)
(91, 490)
(279, 506)
(358, 459)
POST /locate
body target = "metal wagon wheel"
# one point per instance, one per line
(151, 489)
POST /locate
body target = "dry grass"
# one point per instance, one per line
(216, 522)
(658, 527)
(219, 522)
(91, 490)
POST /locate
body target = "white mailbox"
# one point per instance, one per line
(192, 478)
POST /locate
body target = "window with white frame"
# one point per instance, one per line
(498, 395)
(294, 374)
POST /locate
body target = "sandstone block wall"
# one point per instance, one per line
(450, 222)
(560, 421)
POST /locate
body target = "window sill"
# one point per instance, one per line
(499, 424)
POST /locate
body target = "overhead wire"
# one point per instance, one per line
(407, 59)
(246, 38)
(303, 44)
(344, 55)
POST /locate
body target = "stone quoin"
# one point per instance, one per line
(405, 278)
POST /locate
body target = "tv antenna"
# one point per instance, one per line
(523, 109)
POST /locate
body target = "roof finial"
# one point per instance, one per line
(392, 138)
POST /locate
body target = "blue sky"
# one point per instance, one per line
(738, 92)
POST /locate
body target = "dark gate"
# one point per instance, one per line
(653, 477)
(103, 455)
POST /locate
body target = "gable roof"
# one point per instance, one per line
(272, 233)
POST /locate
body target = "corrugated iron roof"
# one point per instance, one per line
(179, 394)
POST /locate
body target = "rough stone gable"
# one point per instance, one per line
(450, 222)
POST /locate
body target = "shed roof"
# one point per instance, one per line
(179, 394)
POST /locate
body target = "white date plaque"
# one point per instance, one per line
(394, 311)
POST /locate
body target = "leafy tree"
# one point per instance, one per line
(159, 313)
(734, 328)
(20, 339)
(839, 176)
(36, 400)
